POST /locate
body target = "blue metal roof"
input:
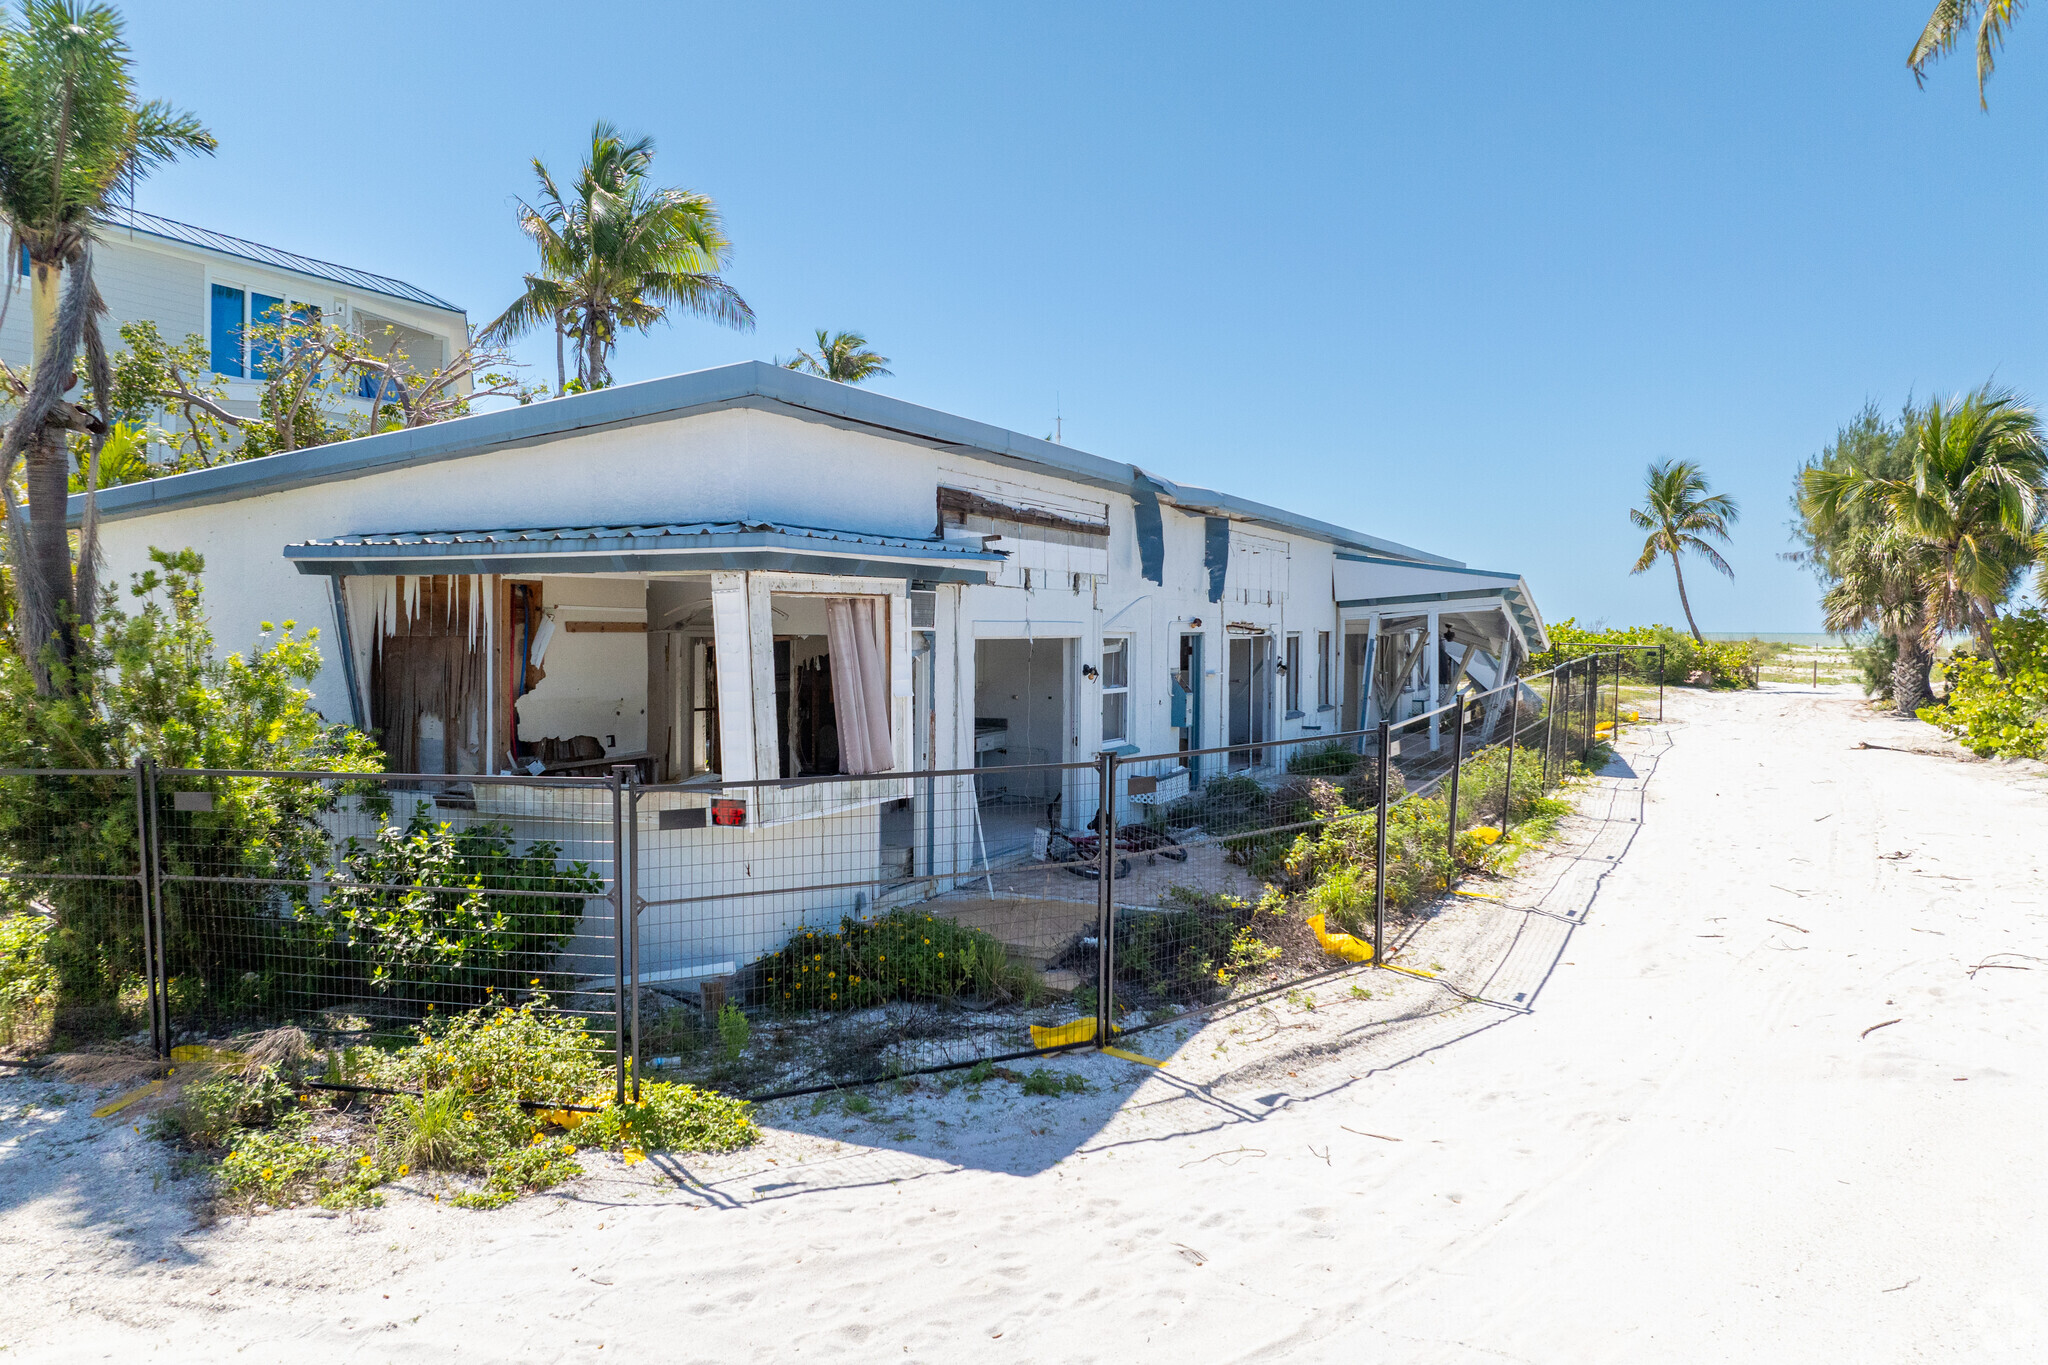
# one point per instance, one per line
(697, 545)
(748, 384)
(209, 240)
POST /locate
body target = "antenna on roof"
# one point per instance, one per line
(1058, 422)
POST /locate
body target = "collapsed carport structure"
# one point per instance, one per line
(1416, 635)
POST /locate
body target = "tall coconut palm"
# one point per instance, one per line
(617, 252)
(1973, 490)
(72, 132)
(841, 356)
(1948, 23)
(1680, 514)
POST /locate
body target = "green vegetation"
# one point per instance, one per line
(501, 1096)
(1705, 663)
(1681, 516)
(617, 252)
(1925, 525)
(1945, 26)
(28, 983)
(147, 679)
(1993, 715)
(902, 955)
(443, 936)
(842, 357)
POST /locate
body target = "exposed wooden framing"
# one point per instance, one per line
(605, 627)
(960, 503)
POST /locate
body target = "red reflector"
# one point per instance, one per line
(728, 812)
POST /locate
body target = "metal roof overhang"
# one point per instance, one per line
(661, 549)
(1376, 583)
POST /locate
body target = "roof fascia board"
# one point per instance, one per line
(642, 562)
(1405, 599)
(750, 384)
(1448, 566)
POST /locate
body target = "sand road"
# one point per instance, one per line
(1686, 1143)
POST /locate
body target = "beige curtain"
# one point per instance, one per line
(855, 628)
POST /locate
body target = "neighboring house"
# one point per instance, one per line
(749, 573)
(191, 281)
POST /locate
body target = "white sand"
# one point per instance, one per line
(1683, 1150)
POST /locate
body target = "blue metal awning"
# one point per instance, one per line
(698, 546)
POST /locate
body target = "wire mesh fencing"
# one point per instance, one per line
(73, 859)
(777, 936)
(359, 905)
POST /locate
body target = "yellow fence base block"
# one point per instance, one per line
(1485, 834)
(1475, 895)
(1133, 1057)
(115, 1106)
(194, 1054)
(1409, 971)
(1063, 1035)
(1340, 944)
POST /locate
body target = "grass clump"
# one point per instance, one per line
(1045, 1081)
(674, 1118)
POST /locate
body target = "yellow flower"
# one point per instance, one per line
(572, 1149)
(266, 1172)
(403, 1169)
(363, 1160)
(467, 1117)
(534, 981)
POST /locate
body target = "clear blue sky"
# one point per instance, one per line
(1452, 278)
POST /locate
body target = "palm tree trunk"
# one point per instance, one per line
(1684, 602)
(561, 375)
(1910, 690)
(48, 475)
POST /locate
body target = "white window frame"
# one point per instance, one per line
(1120, 645)
(1290, 653)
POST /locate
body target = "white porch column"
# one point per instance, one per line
(1429, 653)
(732, 637)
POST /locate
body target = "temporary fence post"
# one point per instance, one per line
(1507, 796)
(1619, 657)
(615, 787)
(158, 964)
(1379, 861)
(158, 1043)
(1549, 729)
(1457, 763)
(1592, 702)
(1105, 903)
(631, 898)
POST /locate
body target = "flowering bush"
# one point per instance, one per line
(902, 955)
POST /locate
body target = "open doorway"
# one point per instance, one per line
(1251, 699)
(1021, 699)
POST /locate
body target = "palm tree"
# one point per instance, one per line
(1882, 574)
(841, 356)
(1680, 514)
(1945, 26)
(617, 252)
(1973, 491)
(72, 132)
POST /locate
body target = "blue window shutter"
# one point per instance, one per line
(266, 308)
(1179, 718)
(24, 261)
(227, 330)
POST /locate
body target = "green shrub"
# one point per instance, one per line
(540, 1164)
(28, 981)
(675, 1118)
(902, 955)
(278, 1166)
(1715, 663)
(148, 678)
(733, 1031)
(451, 944)
(1993, 715)
(1335, 759)
(213, 1110)
(525, 1052)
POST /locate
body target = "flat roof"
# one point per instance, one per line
(749, 384)
(170, 229)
